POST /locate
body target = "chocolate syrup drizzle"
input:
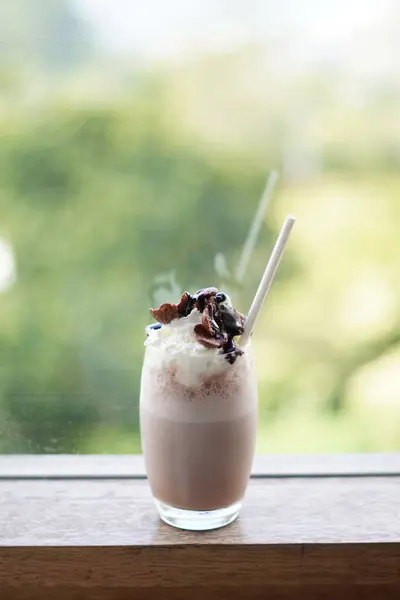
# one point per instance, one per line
(220, 322)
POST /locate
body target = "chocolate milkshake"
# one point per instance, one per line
(198, 411)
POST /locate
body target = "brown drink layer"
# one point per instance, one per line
(198, 439)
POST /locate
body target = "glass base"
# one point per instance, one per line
(197, 520)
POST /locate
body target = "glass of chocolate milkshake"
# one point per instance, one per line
(198, 411)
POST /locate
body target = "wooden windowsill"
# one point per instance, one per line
(98, 535)
(128, 466)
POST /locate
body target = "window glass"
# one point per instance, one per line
(136, 141)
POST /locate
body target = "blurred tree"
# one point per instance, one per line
(113, 205)
(97, 203)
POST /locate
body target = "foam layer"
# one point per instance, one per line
(203, 399)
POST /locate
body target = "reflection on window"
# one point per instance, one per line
(135, 153)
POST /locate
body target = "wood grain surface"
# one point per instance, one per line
(295, 538)
(103, 513)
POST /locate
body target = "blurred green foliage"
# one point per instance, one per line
(112, 204)
(96, 204)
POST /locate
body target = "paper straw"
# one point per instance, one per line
(267, 279)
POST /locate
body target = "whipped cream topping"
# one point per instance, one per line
(195, 338)
(178, 337)
(174, 346)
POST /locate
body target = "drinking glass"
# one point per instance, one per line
(198, 417)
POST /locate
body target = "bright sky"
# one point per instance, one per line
(159, 28)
